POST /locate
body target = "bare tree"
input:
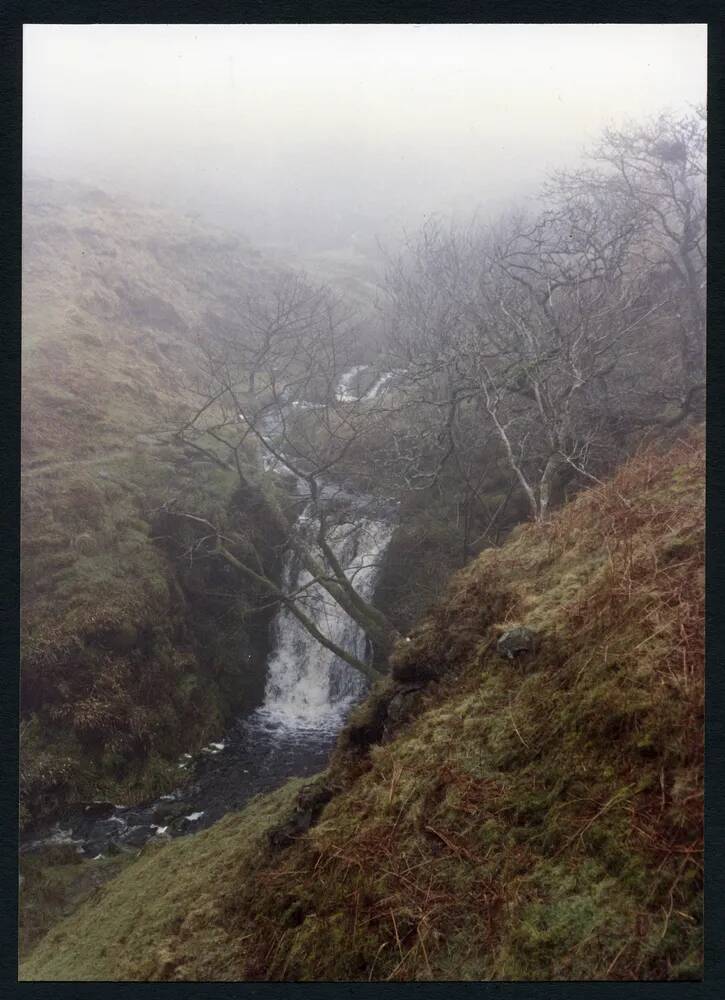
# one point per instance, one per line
(656, 173)
(564, 330)
(268, 389)
(561, 312)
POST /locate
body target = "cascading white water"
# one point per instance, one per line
(344, 390)
(346, 393)
(308, 691)
(377, 387)
(308, 686)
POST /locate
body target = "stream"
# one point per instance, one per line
(308, 695)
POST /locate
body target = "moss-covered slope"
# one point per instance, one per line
(132, 652)
(123, 655)
(539, 818)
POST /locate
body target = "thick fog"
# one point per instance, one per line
(323, 135)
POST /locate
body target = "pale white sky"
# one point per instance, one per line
(303, 127)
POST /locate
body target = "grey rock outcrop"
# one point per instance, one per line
(516, 642)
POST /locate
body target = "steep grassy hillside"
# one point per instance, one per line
(114, 294)
(539, 818)
(119, 671)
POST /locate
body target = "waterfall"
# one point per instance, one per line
(308, 690)
(346, 382)
(377, 387)
(345, 392)
(307, 685)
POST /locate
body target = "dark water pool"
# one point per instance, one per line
(255, 756)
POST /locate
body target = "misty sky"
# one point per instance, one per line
(314, 132)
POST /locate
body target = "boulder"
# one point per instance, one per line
(105, 828)
(183, 824)
(92, 848)
(98, 810)
(138, 836)
(313, 797)
(400, 708)
(134, 818)
(178, 826)
(311, 800)
(516, 642)
(287, 833)
(164, 811)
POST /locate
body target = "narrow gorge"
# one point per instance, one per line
(308, 690)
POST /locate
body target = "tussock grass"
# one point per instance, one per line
(535, 819)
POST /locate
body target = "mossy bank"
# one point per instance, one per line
(133, 650)
(127, 657)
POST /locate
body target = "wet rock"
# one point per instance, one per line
(104, 829)
(178, 826)
(98, 810)
(162, 812)
(313, 797)
(401, 707)
(134, 818)
(138, 836)
(517, 641)
(283, 836)
(189, 823)
(92, 848)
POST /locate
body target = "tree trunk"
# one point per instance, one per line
(547, 484)
(300, 615)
